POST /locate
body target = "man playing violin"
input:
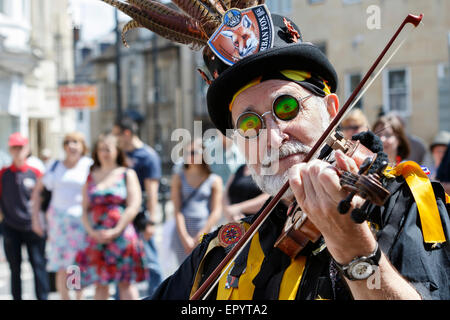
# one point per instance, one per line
(283, 99)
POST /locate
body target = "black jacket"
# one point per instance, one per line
(399, 236)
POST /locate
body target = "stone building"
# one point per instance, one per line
(351, 32)
(415, 83)
(165, 98)
(36, 55)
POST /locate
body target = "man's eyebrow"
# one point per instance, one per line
(249, 108)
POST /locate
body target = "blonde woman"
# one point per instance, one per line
(354, 123)
(65, 179)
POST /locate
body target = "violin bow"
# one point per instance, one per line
(226, 263)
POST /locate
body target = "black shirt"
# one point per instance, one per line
(399, 236)
(16, 186)
(242, 187)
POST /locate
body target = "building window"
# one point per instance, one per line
(352, 80)
(108, 95)
(396, 87)
(133, 85)
(350, 1)
(282, 7)
(3, 6)
(444, 96)
(167, 82)
(26, 8)
(108, 88)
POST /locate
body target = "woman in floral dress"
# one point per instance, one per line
(111, 200)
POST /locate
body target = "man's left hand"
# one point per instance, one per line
(318, 192)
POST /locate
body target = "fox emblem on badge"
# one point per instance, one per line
(242, 33)
(243, 37)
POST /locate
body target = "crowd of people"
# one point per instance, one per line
(98, 211)
(401, 146)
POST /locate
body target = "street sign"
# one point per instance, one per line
(78, 96)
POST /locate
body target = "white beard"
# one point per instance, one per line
(272, 184)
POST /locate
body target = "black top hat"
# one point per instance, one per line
(285, 54)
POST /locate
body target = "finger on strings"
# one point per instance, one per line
(329, 183)
(346, 163)
(295, 181)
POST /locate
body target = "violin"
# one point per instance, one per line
(309, 231)
(299, 230)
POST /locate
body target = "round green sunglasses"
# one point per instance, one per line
(285, 107)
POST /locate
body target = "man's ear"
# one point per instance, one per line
(332, 103)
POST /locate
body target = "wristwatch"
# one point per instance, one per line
(360, 268)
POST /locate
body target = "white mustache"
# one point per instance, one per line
(286, 149)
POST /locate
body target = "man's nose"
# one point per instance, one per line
(275, 134)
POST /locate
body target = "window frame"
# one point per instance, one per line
(348, 89)
(349, 2)
(133, 85)
(314, 2)
(386, 91)
(283, 7)
(4, 6)
(443, 74)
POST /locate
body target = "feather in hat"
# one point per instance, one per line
(193, 25)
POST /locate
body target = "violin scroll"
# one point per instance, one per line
(368, 186)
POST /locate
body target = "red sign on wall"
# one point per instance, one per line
(78, 96)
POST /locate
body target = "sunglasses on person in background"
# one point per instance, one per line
(386, 135)
(353, 128)
(285, 108)
(66, 142)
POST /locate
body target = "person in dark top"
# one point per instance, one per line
(243, 196)
(281, 97)
(16, 186)
(443, 171)
(147, 164)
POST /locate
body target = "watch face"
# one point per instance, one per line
(361, 270)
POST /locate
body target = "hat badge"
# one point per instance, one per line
(242, 33)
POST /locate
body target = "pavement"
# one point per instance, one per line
(167, 261)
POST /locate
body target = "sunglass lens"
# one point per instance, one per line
(249, 125)
(286, 107)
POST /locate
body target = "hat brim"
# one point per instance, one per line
(301, 56)
(17, 144)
